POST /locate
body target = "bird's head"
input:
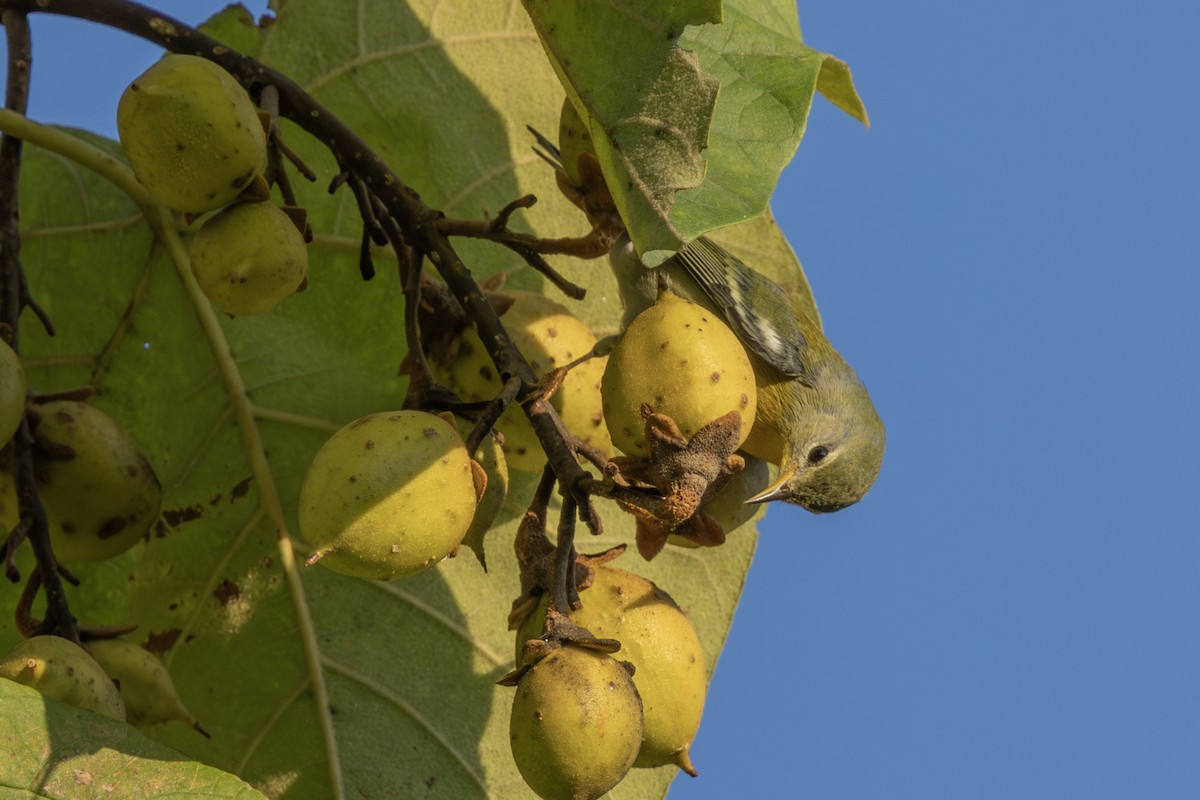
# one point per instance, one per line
(832, 457)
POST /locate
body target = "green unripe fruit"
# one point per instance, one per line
(60, 669)
(145, 685)
(576, 724)
(191, 133)
(388, 496)
(100, 493)
(549, 336)
(659, 640)
(680, 360)
(248, 258)
(12, 392)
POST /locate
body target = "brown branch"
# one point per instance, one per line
(15, 296)
(418, 221)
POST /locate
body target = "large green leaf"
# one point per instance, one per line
(55, 751)
(315, 685)
(694, 108)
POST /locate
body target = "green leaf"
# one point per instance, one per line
(315, 685)
(53, 750)
(679, 164)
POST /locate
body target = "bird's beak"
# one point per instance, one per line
(774, 491)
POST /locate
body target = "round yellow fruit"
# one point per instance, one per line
(659, 640)
(12, 392)
(248, 258)
(576, 724)
(678, 359)
(100, 493)
(388, 496)
(549, 336)
(191, 133)
(62, 670)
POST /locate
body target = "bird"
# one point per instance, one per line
(815, 419)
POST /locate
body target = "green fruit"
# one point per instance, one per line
(145, 685)
(576, 724)
(12, 392)
(101, 494)
(248, 258)
(680, 360)
(549, 336)
(191, 133)
(60, 669)
(659, 640)
(388, 496)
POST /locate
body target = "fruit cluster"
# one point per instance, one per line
(196, 142)
(677, 382)
(112, 677)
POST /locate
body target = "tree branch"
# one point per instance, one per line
(418, 221)
(14, 296)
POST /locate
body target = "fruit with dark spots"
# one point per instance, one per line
(680, 360)
(62, 670)
(248, 258)
(191, 133)
(388, 496)
(576, 724)
(659, 640)
(549, 336)
(100, 493)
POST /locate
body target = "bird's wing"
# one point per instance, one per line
(767, 324)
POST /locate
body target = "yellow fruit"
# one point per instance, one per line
(388, 496)
(659, 640)
(580, 407)
(101, 495)
(680, 360)
(191, 133)
(549, 336)
(576, 724)
(12, 392)
(60, 669)
(146, 687)
(248, 258)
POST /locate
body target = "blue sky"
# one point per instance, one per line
(1010, 258)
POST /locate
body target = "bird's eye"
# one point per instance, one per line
(818, 454)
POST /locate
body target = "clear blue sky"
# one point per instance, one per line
(1011, 259)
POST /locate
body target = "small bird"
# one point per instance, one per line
(815, 419)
